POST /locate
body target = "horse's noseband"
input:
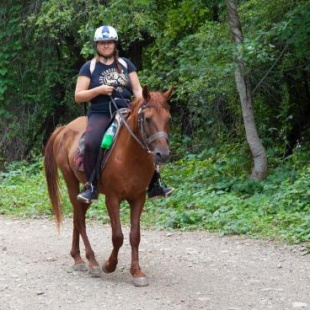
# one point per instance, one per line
(148, 140)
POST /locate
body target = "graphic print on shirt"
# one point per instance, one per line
(112, 78)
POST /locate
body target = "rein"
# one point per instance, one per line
(146, 141)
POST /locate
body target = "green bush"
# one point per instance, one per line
(212, 192)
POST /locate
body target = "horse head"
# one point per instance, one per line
(153, 121)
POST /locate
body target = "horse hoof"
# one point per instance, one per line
(106, 268)
(95, 271)
(140, 282)
(80, 267)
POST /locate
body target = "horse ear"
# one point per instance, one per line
(146, 93)
(168, 93)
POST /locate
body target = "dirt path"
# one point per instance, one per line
(186, 271)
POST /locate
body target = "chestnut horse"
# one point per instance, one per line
(125, 177)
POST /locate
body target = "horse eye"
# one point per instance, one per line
(148, 119)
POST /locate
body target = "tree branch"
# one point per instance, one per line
(260, 82)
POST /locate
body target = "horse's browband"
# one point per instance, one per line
(145, 105)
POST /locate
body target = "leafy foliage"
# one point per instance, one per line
(185, 44)
(180, 43)
(212, 192)
(23, 192)
(222, 199)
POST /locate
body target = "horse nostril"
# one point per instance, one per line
(161, 158)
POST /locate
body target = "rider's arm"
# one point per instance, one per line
(84, 94)
(135, 84)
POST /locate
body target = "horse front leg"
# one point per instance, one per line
(117, 234)
(139, 278)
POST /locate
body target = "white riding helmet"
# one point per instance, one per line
(105, 33)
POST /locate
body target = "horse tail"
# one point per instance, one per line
(51, 175)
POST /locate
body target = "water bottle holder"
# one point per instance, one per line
(109, 135)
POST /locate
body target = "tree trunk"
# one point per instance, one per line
(259, 170)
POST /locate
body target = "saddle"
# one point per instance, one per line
(120, 114)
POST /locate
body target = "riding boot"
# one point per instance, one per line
(157, 188)
(89, 193)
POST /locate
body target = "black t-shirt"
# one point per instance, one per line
(108, 75)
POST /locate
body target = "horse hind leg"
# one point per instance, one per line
(117, 235)
(79, 229)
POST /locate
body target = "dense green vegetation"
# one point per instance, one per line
(212, 193)
(185, 43)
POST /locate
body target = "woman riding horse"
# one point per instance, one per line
(110, 76)
(125, 177)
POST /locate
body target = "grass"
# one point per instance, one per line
(212, 193)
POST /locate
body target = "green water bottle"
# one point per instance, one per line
(108, 137)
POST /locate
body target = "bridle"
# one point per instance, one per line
(146, 140)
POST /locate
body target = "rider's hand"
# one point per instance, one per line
(105, 90)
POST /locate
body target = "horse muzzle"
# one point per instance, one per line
(161, 156)
(161, 151)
